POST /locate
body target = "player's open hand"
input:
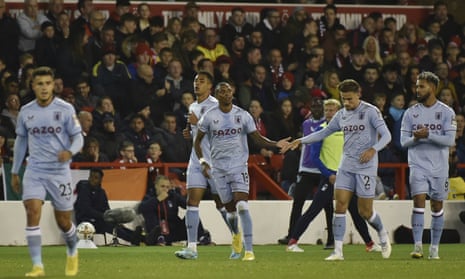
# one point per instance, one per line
(290, 146)
(367, 155)
(15, 183)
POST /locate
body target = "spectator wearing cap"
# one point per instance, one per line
(108, 136)
(122, 7)
(210, 46)
(110, 77)
(46, 47)
(85, 7)
(143, 56)
(236, 25)
(29, 21)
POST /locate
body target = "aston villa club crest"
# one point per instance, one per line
(237, 119)
(57, 115)
(438, 115)
(361, 115)
(202, 110)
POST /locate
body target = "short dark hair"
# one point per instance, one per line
(348, 85)
(208, 75)
(43, 71)
(429, 77)
(330, 7)
(97, 170)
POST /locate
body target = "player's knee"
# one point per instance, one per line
(242, 205)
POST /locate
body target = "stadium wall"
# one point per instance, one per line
(270, 221)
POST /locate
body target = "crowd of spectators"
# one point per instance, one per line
(129, 76)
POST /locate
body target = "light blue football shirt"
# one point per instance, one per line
(431, 155)
(227, 133)
(48, 131)
(199, 109)
(361, 128)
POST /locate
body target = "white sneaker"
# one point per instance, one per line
(294, 248)
(335, 257)
(433, 254)
(386, 249)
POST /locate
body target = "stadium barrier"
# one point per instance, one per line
(270, 221)
(264, 175)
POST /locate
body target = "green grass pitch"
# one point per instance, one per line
(271, 262)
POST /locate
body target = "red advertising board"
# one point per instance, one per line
(215, 14)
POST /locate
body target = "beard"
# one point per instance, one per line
(422, 99)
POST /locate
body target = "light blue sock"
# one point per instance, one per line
(377, 224)
(246, 222)
(224, 214)
(437, 224)
(232, 222)
(339, 229)
(34, 242)
(192, 225)
(418, 223)
(71, 240)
